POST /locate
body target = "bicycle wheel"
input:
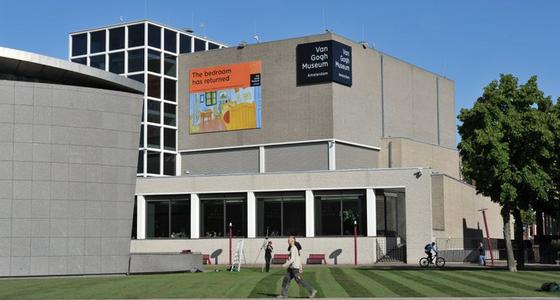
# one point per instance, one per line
(440, 262)
(424, 262)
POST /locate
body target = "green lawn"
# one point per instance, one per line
(251, 283)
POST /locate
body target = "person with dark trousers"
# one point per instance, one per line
(295, 270)
(268, 254)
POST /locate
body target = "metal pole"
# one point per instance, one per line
(355, 243)
(487, 236)
(230, 235)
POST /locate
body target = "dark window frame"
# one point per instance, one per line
(282, 198)
(170, 200)
(224, 199)
(341, 195)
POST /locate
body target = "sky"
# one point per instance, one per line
(470, 42)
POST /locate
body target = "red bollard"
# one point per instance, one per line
(355, 243)
(230, 244)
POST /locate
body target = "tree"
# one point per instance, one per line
(507, 148)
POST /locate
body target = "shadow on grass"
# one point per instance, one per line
(459, 268)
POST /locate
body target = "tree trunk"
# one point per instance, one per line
(539, 234)
(519, 244)
(507, 237)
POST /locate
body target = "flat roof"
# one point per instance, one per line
(27, 66)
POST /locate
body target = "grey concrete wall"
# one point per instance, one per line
(353, 157)
(438, 204)
(299, 157)
(289, 113)
(67, 175)
(221, 161)
(164, 262)
(418, 193)
(404, 152)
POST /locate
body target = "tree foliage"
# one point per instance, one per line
(508, 147)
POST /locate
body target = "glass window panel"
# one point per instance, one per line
(169, 89)
(213, 46)
(330, 217)
(169, 114)
(154, 136)
(350, 212)
(169, 139)
(180, 219)
(79, 44)
(134, 220)
(157, 221)
(185, 43)
(269, 217)
(154, 36)
(154, 111)
(136, 60)
(97, 41)
(154, 61)
(140, 166)
(153, 162)
(380, 214)
(141, 143)
(170, 39)
(294, 218)
(136, 35)
(199, 45)
(116, 62)
(391, 215)
(97, 61)
(137, 77)
(169, 65)
(116, 38)
(154, 86)
(169, 164)
(235, 214)
(81, 60)
(337, 210)
(212, 217)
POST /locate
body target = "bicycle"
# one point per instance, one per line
(439, 261)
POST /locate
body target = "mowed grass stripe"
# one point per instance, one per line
(400, 277)
(443, 278)
(446, 290)
(478, 284)
(374, 288)
(329, 286)
(503, 279)
(553, 275)
(311, 279)
(395, 286)
(267, 286)
(352, 288)
(537, 278)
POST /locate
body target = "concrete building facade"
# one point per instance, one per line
(68, 153)
(376, 146)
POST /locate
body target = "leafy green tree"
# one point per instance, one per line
(507, 148)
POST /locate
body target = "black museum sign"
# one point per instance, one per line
(325, 61)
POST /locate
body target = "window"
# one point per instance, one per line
(136, 35)
(154, 136)
(213, 46)
(97, 61)
(199, 45)
(116, 62)
(281, 214)
(141, 143)
(169, 164)
(390, 213)
(135, 60)
(169, 139)
(152, 162)
(81, 60)
(170, 40)
(79, 44)
(211, 98)
(97, 41)
(116, 38)
(154, 61)
(134, 220)
(168, 217)
(137, 77)
(169, 88)
(140, 167)
(185, 44)
(154, 36)
(335, 212)
(218, 210)
(169, 114)
(154, 86)
(154, 111)
(169, 65)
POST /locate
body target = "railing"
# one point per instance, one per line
(390, 249)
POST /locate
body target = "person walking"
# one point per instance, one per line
(295, 270)
(481, 254)
(268, 255)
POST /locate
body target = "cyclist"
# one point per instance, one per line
(428, 249)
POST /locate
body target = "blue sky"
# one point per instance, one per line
(471, 42)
